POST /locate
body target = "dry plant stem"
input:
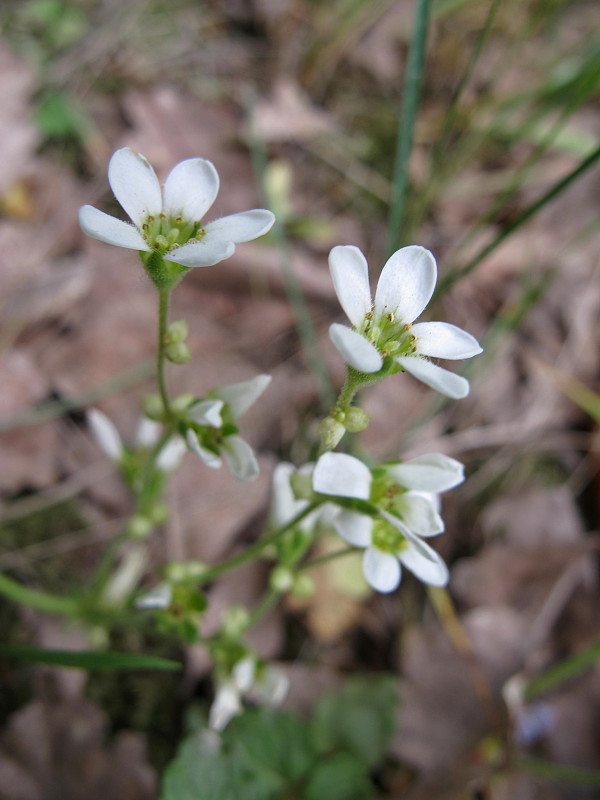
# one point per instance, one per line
(446, 612)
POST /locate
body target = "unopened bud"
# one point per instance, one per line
(153, 407)
(159, 513)
(356, 419)
(140, 526)
(301, 485)
(281, 579)
(331, 431)
(181, 402)
(178, 353)
(176, 332)
(235, 621)
(304, 586)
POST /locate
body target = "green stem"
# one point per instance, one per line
(410, 101)
(40, 600)
(254, 550)
(262, 608)
(319, 562)
(163, 311)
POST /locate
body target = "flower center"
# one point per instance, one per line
(391, 336)
(164, 233)
(386, 537)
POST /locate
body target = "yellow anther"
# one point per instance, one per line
(407, 326)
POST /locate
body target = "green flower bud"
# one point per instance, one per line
(235, 621)
(153, 407)
(139, 527)
(304, 586)
(281, 579)
(178, 353)
(159, 513)
(176, 332)
(356, 419)
(331, 431)
(301, 486)
(195, 570)
(180, 403)
(175, 572)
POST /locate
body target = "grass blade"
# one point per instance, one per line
(410, 101)
(87, 659)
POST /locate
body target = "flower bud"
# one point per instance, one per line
(301, 484)
(176, 332)
(235, 620)
(153, 407)
(139, 527)
(356, 419)
(182, 402)
(281, 579)
(331, 431)
(159, 513)
(304, 586)
(175, 571)
(178, 353)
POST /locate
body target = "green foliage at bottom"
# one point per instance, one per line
(276, 755)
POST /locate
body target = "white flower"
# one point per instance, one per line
(384, 329)
(405, 498)
(158, 597)
(105, 434)
(170, 221)
(213, 432)
(266, 685)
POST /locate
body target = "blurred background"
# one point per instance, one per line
(300, 104)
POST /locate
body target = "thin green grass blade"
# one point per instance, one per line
(559, 772)
(87, 659)
(410, 102)
(558, 188)
(561, 673)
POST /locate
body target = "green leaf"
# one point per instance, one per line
(277, 742)
(360, 719)
(340, 777)
(87, 659)
(57, 117)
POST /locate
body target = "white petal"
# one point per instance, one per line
(242, 227)
(240, 458)
(105, 434)
(207, 412)
(240, 396)
(382, 570)
(190, 189)
(355, 349)
(171, 456)
(271, 689)
(443, 381)
(406, 283)
(207, 456)
(110, 230)
(284, 505)
(134, 184)
(342, 475)
(442, 340)
(419, 514)
(226, 705)
(200, 254)
(159, 597)
(433, 472)
(148, 433)
(350, 275)
(354, 528)
(243, 674)
(429, 568)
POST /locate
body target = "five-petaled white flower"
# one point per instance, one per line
(213, 431)
(266, 685)
(170, 221)
(383, 329)
(405, 496)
